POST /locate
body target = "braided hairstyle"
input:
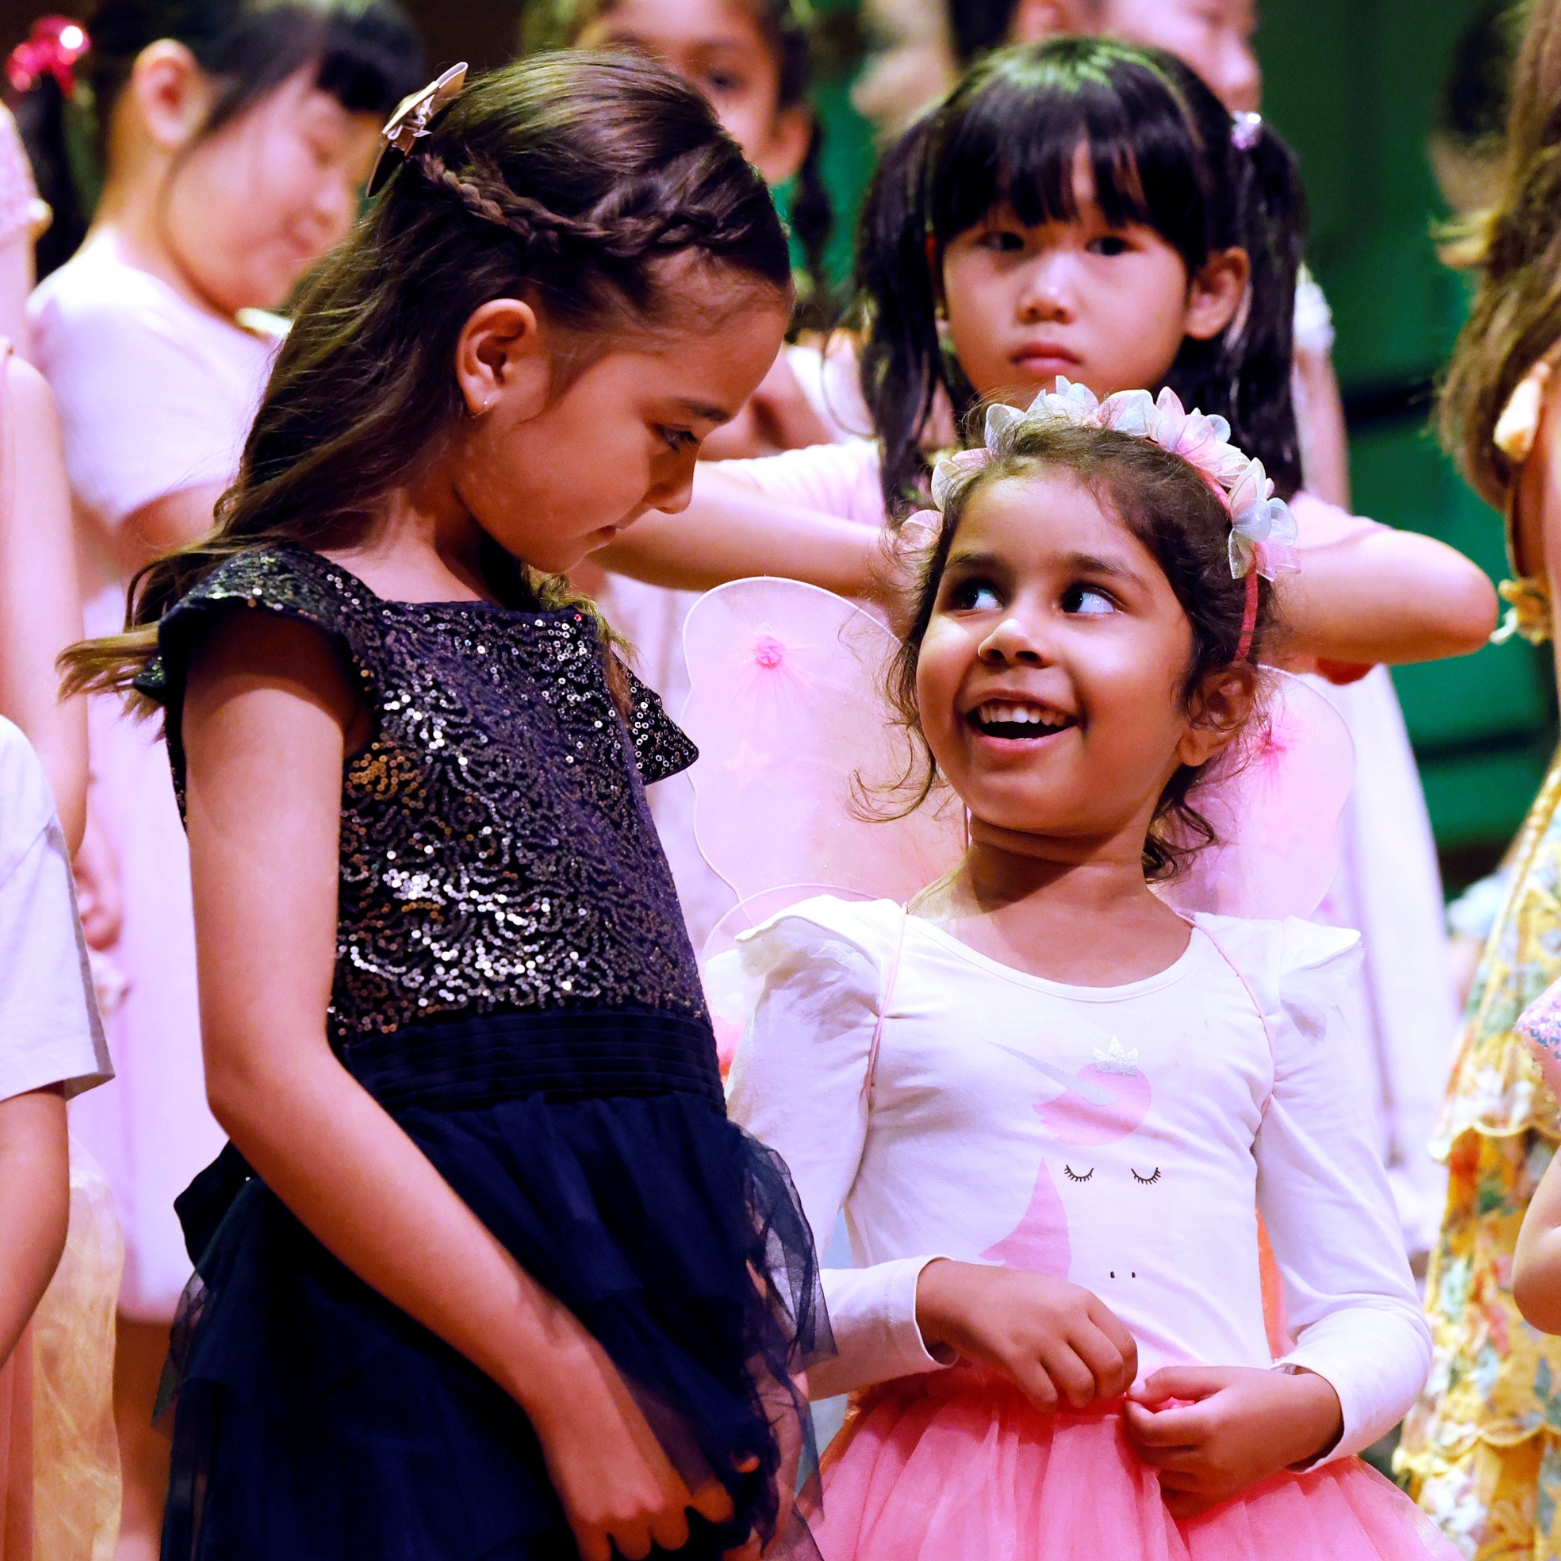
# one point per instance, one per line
(793, 33)
(1161, 153)
(599, 185)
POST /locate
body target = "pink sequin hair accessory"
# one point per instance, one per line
(1262, 529)
(53, 48)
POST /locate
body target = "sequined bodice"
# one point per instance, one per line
(497, 853)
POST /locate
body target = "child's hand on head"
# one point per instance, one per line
(1213, 1431)
(1061, 1344)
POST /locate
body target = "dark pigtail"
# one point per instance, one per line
(901, 358)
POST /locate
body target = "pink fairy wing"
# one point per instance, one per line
(1275, 810)
(800, 750)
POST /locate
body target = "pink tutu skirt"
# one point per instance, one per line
(958, 1466)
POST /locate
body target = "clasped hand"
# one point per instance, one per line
(1209, 1432)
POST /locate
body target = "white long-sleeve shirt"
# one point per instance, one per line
(1124, 1138)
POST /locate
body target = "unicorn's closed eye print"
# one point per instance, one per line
(1116, 1223)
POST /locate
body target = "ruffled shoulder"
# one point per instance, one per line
(839, 949)
(860, 933)
(1298, 972)
(292, 582)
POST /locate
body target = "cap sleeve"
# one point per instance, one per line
(290, 582)
(661, 747)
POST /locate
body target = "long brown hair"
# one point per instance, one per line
(1516, 317)
(573, 178)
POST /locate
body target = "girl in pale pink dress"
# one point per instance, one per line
(220, 190)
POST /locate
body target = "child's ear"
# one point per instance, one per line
(501, 356)
(171, 93)
(1216, 713)
(1216, 293)
(786, 147)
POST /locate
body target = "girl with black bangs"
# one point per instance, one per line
(1087, 210)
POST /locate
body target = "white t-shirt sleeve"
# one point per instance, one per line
(1350, 1301)
(142, 415)
(50, 1032)
(798, 1085)
(831, 479)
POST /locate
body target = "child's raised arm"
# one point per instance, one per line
(269, 715)
(1383, 595)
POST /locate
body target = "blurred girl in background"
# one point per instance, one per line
(234, 137)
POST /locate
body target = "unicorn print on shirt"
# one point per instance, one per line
(1102, 1209)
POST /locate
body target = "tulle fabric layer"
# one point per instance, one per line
(961, 1468)
(313, 1419)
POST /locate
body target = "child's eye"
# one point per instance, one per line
(974, 596)
(1109, 244)
(724, 81)
(1002, 241)
(678, 439)
(1087, 601)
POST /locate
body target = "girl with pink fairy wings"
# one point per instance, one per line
(1051, 1107)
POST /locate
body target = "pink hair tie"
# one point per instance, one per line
(52, 49)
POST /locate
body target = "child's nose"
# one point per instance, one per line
(1015, 642)
(672, 483)
(1047, 291)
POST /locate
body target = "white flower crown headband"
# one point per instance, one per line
(1262, 529)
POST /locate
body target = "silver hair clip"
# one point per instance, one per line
(1244, 130)
(410, 122)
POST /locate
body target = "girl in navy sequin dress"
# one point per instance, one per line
(485, 1271)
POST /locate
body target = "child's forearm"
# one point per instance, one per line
(34, 1204)
(730, 531)
(1536, 1264)
(1385, 596)
(374, 1200)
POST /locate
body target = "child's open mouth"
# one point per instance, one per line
(1018, 722)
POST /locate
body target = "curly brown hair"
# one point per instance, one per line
(1175, 514)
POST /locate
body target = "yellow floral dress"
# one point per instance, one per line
(1482, 1449)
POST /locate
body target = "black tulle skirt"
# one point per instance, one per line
(313, 1419)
